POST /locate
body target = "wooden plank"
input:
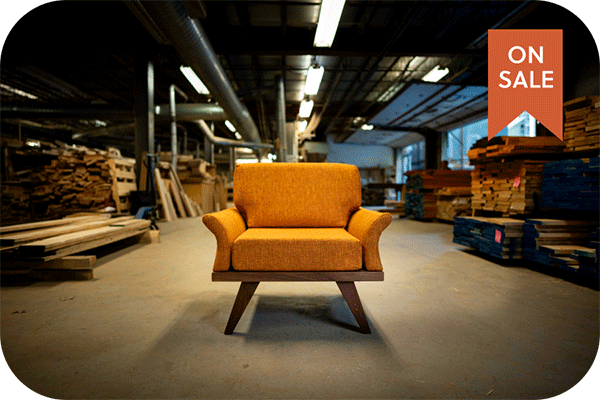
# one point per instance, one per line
(565, 249)
(78, 248)
(47, 224)
(65, 263)
(69, 239)
(189, 205)
(30, 236)
(291, 276)
(162, 192)
(176, 195)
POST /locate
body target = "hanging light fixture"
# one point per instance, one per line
(313, 80)
(329, 18)
(306, 108)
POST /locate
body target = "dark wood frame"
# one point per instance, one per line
(250, 280)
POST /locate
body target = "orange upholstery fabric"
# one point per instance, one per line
(367, 226)
(285, 195)
(296, 249)
(226, 225)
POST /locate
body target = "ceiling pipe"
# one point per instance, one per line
(190, 41)
(208, 133)
(193, 111)
(81, 112)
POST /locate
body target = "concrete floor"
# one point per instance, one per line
(446, 324)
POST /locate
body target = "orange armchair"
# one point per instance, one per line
(297, 222)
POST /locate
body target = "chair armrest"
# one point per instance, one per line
(226, 225)
(367, 226)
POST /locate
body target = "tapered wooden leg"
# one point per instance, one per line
(244, 295)
(350, 294)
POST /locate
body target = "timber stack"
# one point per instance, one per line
(73, 179)
(497, 237)
(48, 249)
(582, 124)
(422, 190)
(507, 178)
(572, 184)
(564, 244)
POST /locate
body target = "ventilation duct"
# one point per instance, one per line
(190, 41)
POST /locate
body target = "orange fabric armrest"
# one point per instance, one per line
(226, 225)
(367, 226)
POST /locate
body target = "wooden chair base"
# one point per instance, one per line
(344, 279)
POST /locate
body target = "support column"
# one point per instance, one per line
(433, 149)
(144, 112)
(209, 149)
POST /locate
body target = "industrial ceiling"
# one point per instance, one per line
(68, 68)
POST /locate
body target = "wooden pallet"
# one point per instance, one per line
(122, 173)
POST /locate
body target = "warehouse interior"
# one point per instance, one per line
(88, 90)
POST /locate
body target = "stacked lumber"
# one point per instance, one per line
(62, 179)
(48, 247)
(553, 242)
(503, 146)
(572, 184)
(435, 179)
(498, 237)
(453, 202)
(510, 187)
(422, 187)
(78, 179)
(395, 206)
(582, 124)
(16, 202)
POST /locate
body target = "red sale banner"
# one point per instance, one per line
(525, 74)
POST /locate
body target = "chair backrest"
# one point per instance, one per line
(296, 194)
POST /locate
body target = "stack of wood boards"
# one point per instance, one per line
(497, 237)
(175, 203)
(582, 124)
(558, 243)
(67, 179)
(422, 187)
(572, 184)
(503, 146)
(41, 245)
(395, 206)
(453, 202)
(510, 187)
(77, 180)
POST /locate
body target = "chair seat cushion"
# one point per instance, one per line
(296, 249)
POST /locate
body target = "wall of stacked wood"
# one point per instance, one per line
(551, 188)
(53, 180)
(425, 187)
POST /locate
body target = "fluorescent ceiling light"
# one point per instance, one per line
(366, 127)
(435, 74)
(238, 136)
(329, 18)
(302, 125)
(18, 92)
(313, 80)
(306, 108)
(230, 126)
(194, 80)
